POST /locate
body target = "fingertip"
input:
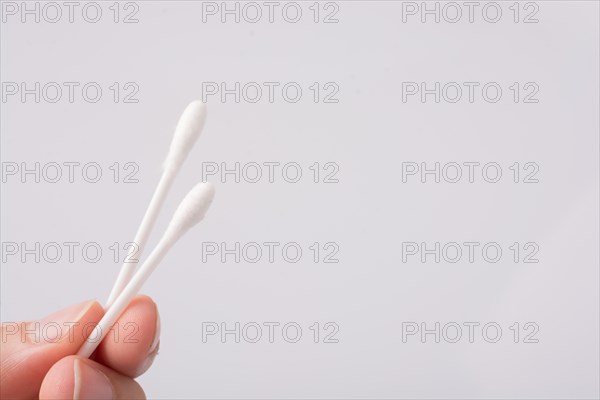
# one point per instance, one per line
(74, 377)
(131, 345)
(59, 381)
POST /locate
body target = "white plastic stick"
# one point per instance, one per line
(191, 210)
(186, 133)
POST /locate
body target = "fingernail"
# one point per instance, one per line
(153, 351)
(90, 383)
(56, 326)
(156, 341)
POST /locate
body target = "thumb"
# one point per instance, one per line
(29, 349)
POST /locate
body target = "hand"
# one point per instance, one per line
(37, 357)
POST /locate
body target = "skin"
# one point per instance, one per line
(47, 368)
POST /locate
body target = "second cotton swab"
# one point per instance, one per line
(190, 211)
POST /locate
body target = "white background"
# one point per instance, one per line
(369, 213)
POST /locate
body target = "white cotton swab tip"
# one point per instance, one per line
(187, 131)
(191, 210)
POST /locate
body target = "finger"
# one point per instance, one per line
(132, 344)
(74, 377)
(29, 349)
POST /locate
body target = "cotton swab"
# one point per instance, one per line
(186, 133)
(190, 211)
